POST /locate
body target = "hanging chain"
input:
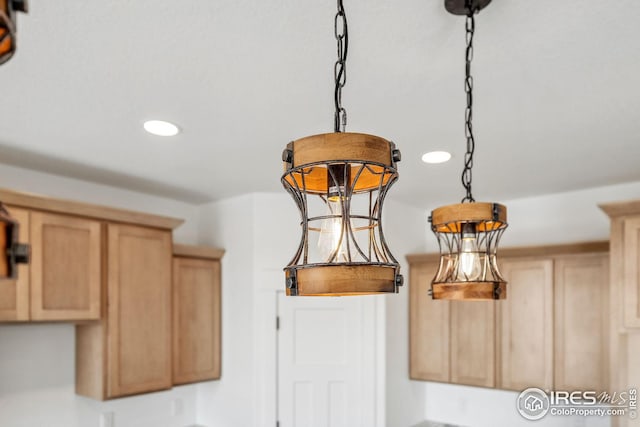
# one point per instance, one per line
(468, 87)
(340, 67)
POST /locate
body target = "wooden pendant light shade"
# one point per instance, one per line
(8, 9)
(339, 182)
(468, 235)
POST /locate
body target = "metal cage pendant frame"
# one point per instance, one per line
(339, 182)
(468, 236)
(8, 9)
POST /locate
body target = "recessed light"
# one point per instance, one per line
(436, 157)
(161, 128)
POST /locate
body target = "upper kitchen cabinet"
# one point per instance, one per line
(65, 267)
(129, 351)
(62, 281)
(196, 313)
(525, 325)
(473, 343)
(14, 293)
(428, 327)
(581, 322)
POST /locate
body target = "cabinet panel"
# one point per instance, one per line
(139, 314)
(65, 267)
(14, 294)
(196, 320)
(429, 328)
(525, 325)
(581, 322)
(632, 272)
(473, 343)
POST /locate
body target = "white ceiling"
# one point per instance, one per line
(557, 101)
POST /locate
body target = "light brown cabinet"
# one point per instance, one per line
(129, 352)
(550, 332)
(473, 343)
(581, 322)
(631, 287)
(65, 267)
(525, 325)
(62, 281)
(429, 328)
(196, 314)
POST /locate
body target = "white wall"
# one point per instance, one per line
(557, 218)
(37, 361)
(406, 230)
(230, 402)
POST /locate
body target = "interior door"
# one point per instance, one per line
(320, 362)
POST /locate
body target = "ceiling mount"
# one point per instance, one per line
(459, 7)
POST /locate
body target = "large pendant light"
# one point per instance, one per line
(8, 9)
(469, 232)
(13, 253)
(339, 182)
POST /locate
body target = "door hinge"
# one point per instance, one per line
(278, 326)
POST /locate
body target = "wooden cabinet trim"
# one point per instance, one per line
(528, 251)
(68, 207)
(631, 285)
(191, 251)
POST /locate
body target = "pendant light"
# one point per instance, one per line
(8, 9)
(468, 233)
(339, 182)
(13, 253)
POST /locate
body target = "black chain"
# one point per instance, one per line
(470, 27)
(340, 67)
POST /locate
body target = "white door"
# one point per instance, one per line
(320, 359)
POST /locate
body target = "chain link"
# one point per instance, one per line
(468, 114)
(340, 68)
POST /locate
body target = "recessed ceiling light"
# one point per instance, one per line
(436, 157)
(161, 128)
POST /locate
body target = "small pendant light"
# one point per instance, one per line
(339, 182)
(469, 232)
(8, 9)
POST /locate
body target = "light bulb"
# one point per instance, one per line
(469, 265)
(332, 237)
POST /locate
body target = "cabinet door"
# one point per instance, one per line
(196, 320)
(581, 303)
(473, 343)
(14, 294)
(139, 314)
(65, 267)
(525, 325)
(631, 273)
(429, 328)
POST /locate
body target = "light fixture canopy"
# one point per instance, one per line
(339, 182)
(469, 232)
(8, 9)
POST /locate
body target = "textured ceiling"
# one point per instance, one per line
(557, 103)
